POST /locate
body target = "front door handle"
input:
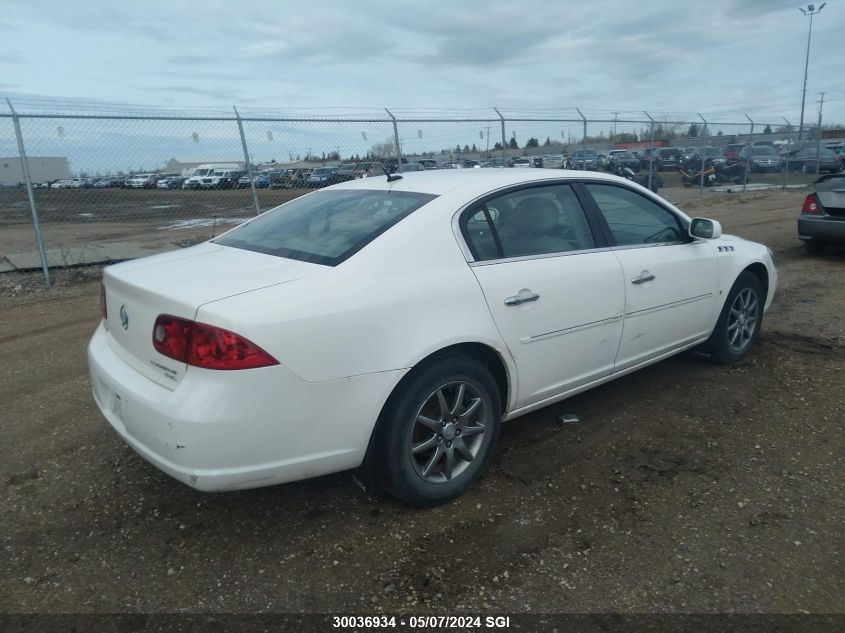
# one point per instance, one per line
(524, 296)
(644, 277)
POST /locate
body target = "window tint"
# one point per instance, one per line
(325, 227)
(535, 221)
(634, 219)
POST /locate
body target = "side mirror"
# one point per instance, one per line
(704, 229)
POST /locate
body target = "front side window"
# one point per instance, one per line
(326, 227)
(526, 222)
(633, 219)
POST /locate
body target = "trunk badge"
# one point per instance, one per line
(124, 317)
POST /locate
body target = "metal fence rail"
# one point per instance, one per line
(100, 182)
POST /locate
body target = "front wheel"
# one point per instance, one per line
(438, 430)
(739, 322)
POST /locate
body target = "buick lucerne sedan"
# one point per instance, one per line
(393, 323)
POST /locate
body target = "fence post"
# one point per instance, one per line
(786, 154)
(701, 184)
(748, 160)
(584, 137)
(248, 162)
(819, 138)
(504, 145)
(396, 140)
(25, 169)
(651, 149)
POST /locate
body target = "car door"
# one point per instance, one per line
(555, 295)
(670, 280)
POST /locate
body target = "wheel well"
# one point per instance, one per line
(759, 270)
(484, 353)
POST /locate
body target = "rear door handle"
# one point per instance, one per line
(644, 277)
(524, 296)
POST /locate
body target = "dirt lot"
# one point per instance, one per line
(687, 487)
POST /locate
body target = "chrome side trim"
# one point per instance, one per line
(666, 306)
(570, 330)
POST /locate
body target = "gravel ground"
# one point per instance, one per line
(686, 487)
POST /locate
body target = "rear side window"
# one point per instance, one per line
(326, 227)
(534, 221)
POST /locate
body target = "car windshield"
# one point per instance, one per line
(763, 151)
(323, 171)
(326, 227)
(712, 151)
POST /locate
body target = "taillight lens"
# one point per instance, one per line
(811, 206)
(103, 308)
(206, 346)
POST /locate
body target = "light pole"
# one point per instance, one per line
(811, 11)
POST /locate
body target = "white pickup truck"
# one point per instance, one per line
(205, 172)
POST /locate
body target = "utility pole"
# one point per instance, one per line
(811, 11)
(819, 137)
(615, 116)
(487, 153)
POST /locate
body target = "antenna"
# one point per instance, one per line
(391, 177)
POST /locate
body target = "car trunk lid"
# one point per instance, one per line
(831, 195)
(178, 283)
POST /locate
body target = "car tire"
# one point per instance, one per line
(814, 247)
(739, 323)
(423, 455)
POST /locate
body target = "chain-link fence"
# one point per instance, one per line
(104, 183)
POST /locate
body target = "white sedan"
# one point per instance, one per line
(395, 322)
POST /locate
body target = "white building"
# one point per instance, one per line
(41, 169)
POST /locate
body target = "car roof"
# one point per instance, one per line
(439, 182)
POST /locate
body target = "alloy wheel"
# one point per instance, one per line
(742, 320)
(448, 431)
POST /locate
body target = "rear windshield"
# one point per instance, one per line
(326, 227)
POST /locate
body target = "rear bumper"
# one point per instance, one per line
(822, 228)
(221, 430)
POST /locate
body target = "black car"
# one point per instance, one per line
(619, 159)
(822, 218)
(707, 155)
(667, 159)
(805, 161)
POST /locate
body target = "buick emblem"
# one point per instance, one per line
(124, 317)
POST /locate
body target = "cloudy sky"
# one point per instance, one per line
(721, 57)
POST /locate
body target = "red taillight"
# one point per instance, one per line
(104, 311)
(811, 206)
(206, 346)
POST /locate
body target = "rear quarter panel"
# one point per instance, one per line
(406, 295)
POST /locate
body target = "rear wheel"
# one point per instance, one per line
(438, 430)
(739, 323)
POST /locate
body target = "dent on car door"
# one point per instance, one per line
(670, 281)
(557, 304)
